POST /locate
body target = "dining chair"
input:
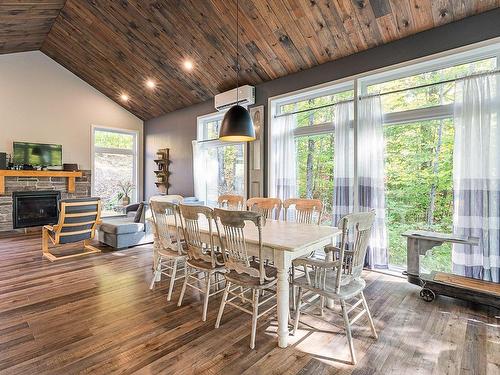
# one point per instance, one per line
(169, 249)
(231, 202)
(340, 279)
(270, 208)
(307, 211)
(244, 274)
(202, 257)
(174, 198)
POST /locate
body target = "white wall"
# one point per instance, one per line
(41, 101)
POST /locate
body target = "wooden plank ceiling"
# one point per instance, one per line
(24, 25)
(116, 46)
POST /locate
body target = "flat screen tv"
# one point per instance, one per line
(37, 154)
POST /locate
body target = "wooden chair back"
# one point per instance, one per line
(270, 208)
(164, 215)
(231, 202)
(174, 198)
(78, 219)
(307, 211)
(191, 216)
(356, 230)
(232, 238)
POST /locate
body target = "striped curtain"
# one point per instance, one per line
(199, 172)
(343, 171)
(283, 170)
(371, 187)
(476, 177)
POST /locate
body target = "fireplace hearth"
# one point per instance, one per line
(35, 208)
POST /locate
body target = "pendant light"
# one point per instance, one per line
(237, 125)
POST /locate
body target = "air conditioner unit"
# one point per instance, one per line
(225, 100)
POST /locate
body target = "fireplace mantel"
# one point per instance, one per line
(12, 173)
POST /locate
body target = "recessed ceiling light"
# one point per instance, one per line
(188, 65)
(150, 84)
(124, 97)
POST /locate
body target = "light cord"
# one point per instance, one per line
(237, 51)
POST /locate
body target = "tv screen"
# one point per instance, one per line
(37, 154)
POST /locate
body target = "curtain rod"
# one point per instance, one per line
(386, 93)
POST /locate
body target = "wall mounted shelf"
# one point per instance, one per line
(162, 174)
(71, 176)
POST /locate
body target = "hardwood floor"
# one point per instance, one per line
(96, 314)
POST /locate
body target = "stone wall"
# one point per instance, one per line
(82, 189)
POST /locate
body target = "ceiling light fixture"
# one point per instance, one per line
(124, 97)
(188, 65)
(237, 125)
(150, 84)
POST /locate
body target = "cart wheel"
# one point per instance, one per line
(427, 295)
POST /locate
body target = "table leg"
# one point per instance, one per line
(283, 298)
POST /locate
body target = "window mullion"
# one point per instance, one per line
(421, 114)
(107, 150)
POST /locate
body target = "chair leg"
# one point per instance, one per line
(255, 302)
(242, 295)
(222, 304)
(184, 285)
(297, 311)
(370, 319)
(45, 240)
(205, 302)
(294, 288)
(172, 280)
(155, 274)
(348, 331)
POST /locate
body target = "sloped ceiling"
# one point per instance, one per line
(117, 45)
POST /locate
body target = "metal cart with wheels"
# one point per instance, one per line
(441, 283)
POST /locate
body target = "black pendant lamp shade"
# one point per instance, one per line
(237, 126)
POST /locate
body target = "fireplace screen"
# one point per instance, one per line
(35, 208)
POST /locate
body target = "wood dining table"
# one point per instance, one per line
(283, 241)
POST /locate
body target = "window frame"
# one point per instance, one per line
(360, 83)
(214, 143)
(111, 150)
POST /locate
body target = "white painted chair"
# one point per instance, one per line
(168, 245)
(244, 275)
(307, 211)
(340, 279)
(174, 198)
(203, 258)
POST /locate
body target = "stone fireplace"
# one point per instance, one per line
(38, 184)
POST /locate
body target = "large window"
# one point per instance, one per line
(417, 105)
(314, 142)
(114, 174)
(419, 135)
(222, 169)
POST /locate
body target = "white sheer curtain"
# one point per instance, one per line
(199, 170)
(343, 170)
(283, 178)
(476, 176)
(371, 148)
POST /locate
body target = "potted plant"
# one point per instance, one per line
(126, 188)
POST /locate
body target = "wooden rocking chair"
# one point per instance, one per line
(78, 219)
